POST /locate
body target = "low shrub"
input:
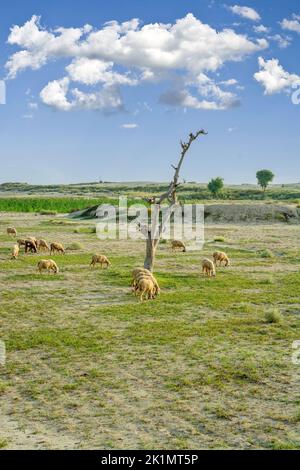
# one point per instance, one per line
(273, 316)
(266, 253)
(219, 239)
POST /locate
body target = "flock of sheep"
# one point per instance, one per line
(144, 283)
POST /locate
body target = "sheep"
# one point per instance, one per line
(136, 272)
(208, 268)
(146, 287)
(12, 231)
(57, 247)
(15, 252)
(100, 259)
(221, 256)
(47, 265)
(146, 276)
(33, 239)
(21, 242)
(142, 273)
(43, 245)
(30, 245)
(178, 244)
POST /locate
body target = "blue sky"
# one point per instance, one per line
(112, 101)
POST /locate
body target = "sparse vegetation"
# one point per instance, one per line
(93, 357)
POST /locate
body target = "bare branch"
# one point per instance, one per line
(170, 195)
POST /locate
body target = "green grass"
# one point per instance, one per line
(198, 367)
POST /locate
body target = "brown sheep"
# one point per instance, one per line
(208, 268)
(43, 245)
(15, 252)
(21, 242)
(12, 231)
(48, 265)
(146, 276)
(221, 257)
(30, 246)
(178, 244)
(100, 259)
(136, 272)
(146, 287)
(33, 239)
(57, 247)
(140, 273)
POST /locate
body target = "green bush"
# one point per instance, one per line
(219, 239)
(273, 316)
(266, 253)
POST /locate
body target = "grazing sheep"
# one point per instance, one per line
(100, 259)
(15, 252)
(57, 247)
(221, 257)
(141, 273)
(146, 276)
(137, 271)
(33, 239)
(12, 231)
(43, 245)
(146, 287)
(47, 265)
(30, 246)
(208, 268)
(178, 244)
(21, 242)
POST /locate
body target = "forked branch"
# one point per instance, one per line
(170, 194)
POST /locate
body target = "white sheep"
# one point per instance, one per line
(208, 268)
(15, 252)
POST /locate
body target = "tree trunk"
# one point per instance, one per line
(153, 236)
(150, 252)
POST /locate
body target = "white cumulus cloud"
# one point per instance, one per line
(130, 54)
(245, 12)
(291, 25)
(274, 78)
(261, 29)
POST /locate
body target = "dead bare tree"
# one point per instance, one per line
(154, 232)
